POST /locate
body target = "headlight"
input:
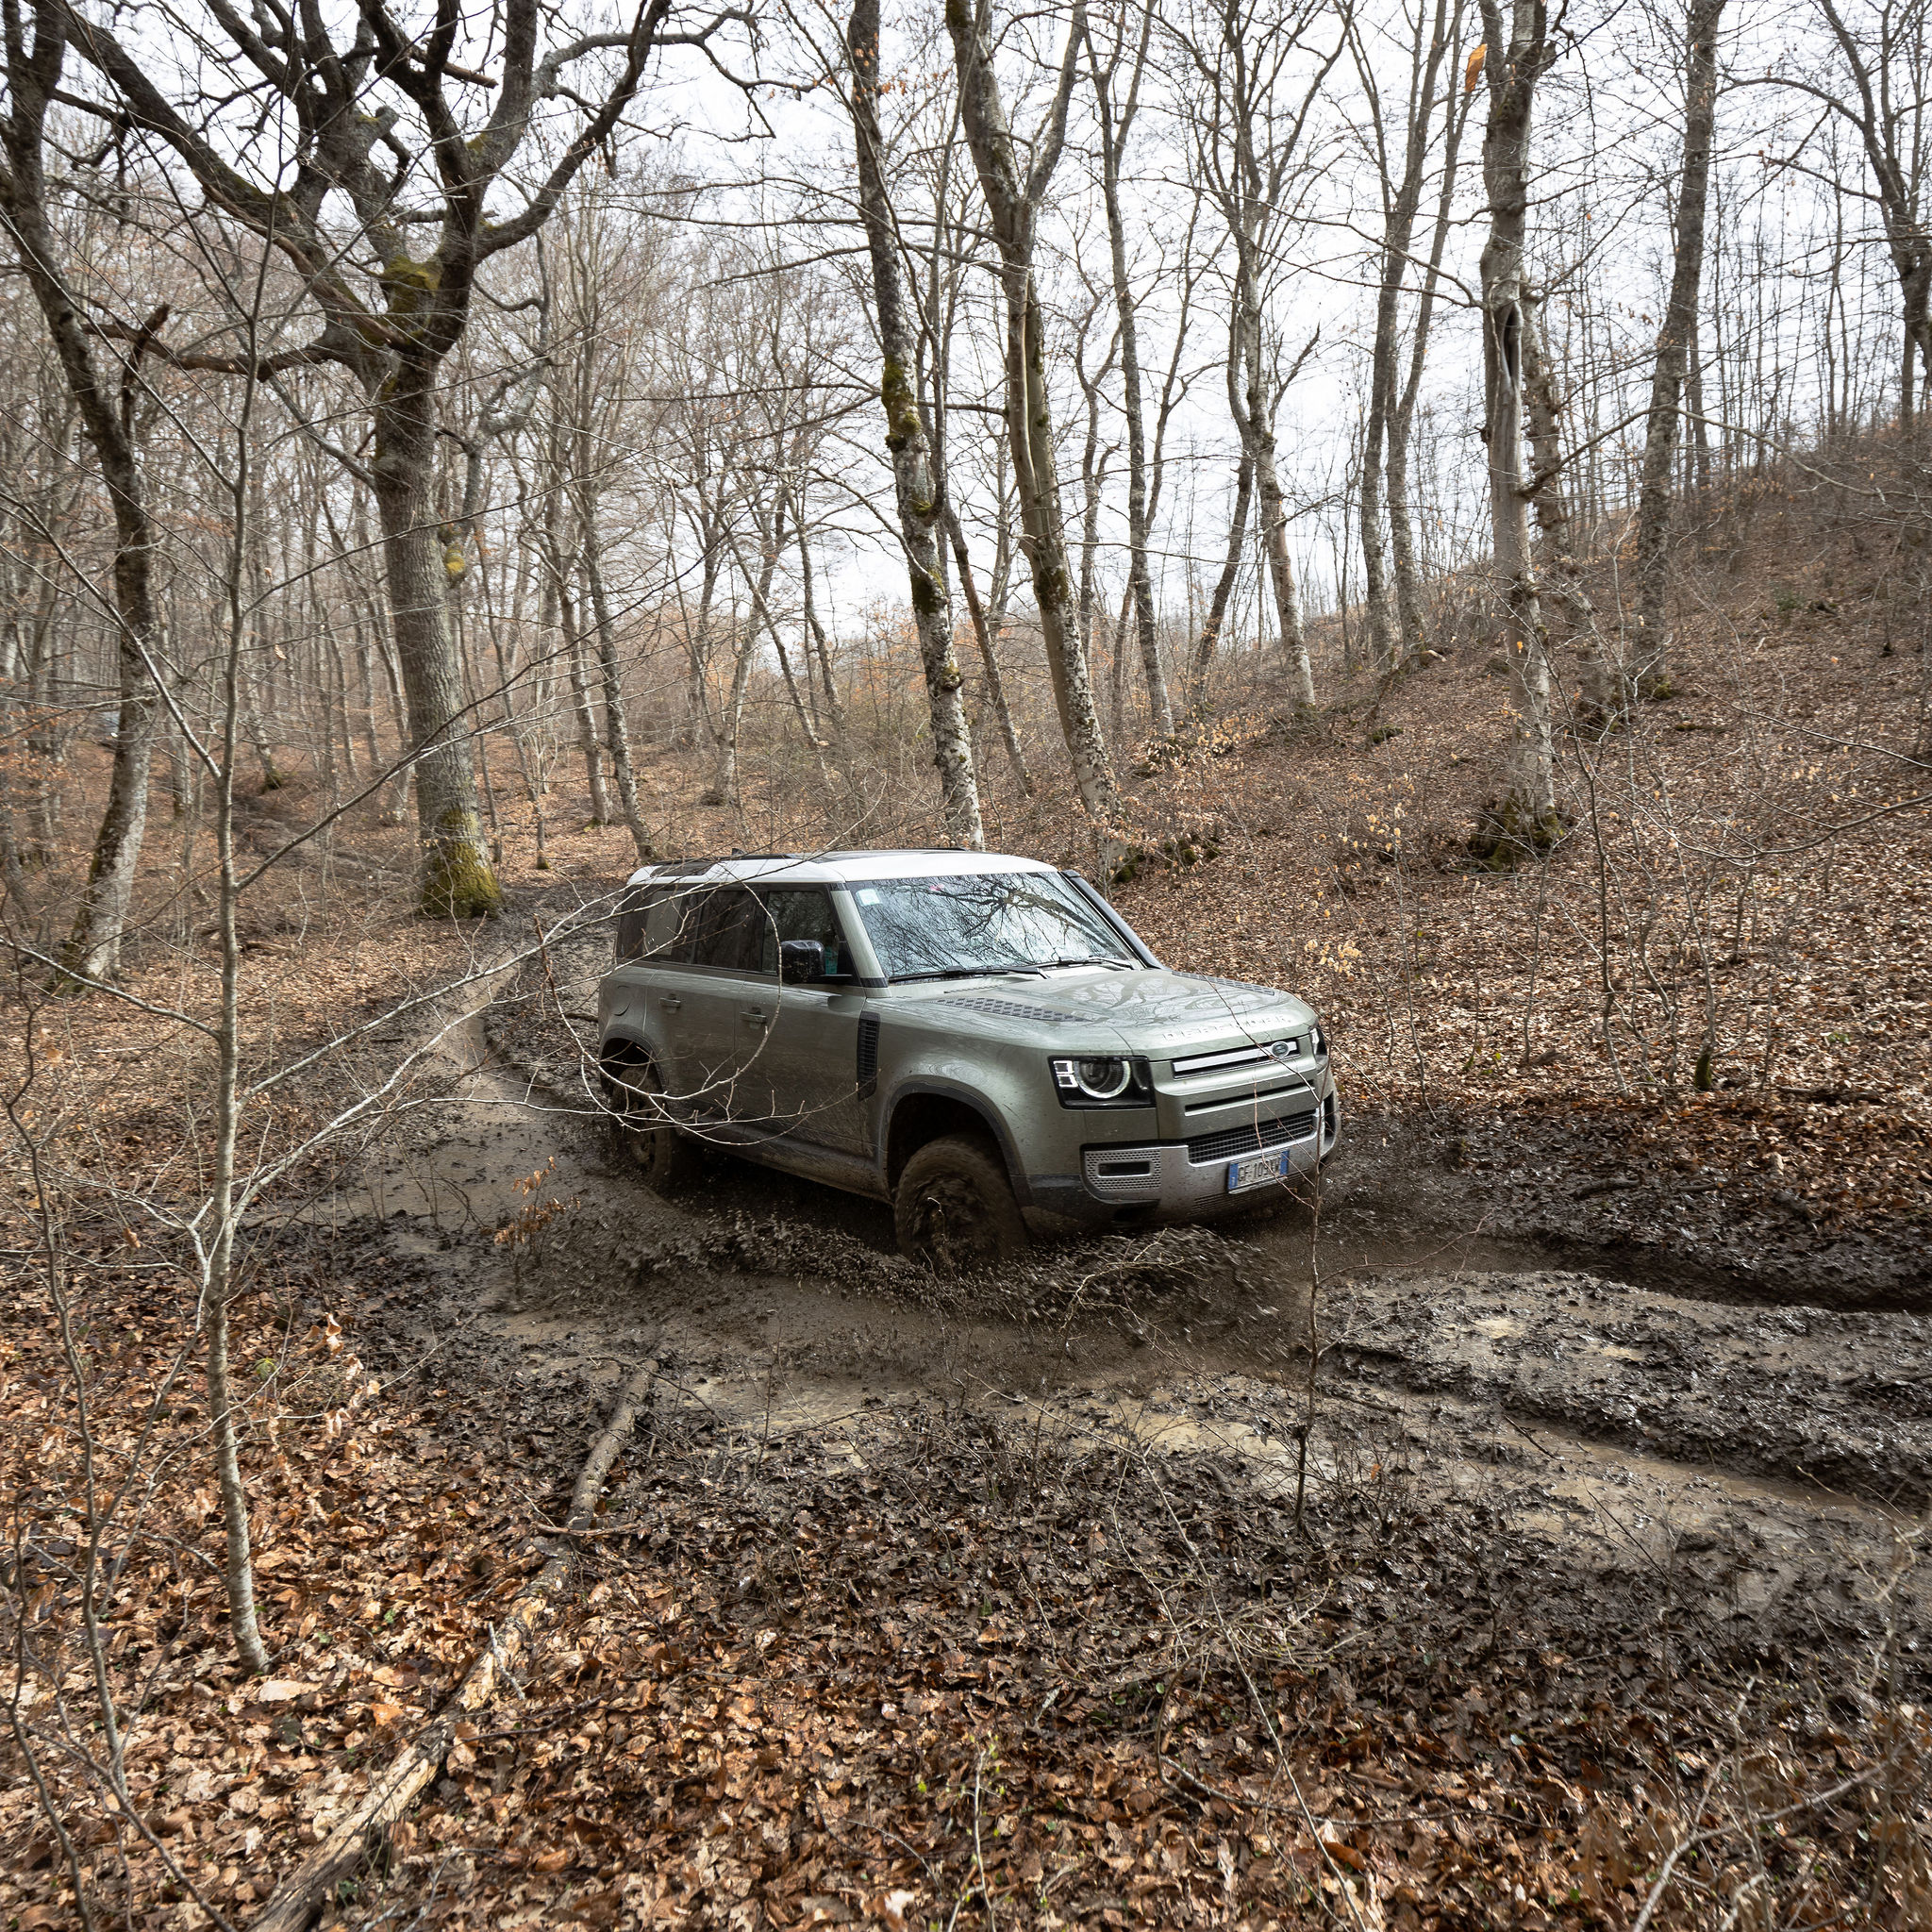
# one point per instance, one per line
(1103, 1082)
(1318, 1040)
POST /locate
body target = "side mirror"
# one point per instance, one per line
(800, 961)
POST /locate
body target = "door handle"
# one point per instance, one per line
(754, 1016)
(670, 1002)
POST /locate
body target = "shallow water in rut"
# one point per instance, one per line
(1766, 1455)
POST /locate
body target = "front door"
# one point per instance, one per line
(807, 1069)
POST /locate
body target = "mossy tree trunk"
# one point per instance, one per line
(1527, 814)
(457, 880)
(1013, 201)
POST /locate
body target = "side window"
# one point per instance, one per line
(630, 923)
(670, 921)
(727, 931)
(801, 913)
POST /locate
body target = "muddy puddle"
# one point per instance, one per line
(1772, 1460)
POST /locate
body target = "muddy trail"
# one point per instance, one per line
(1769, 1458)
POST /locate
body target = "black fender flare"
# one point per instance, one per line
(966, 1096)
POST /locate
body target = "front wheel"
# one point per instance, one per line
(954, 1208)
(665, 1157)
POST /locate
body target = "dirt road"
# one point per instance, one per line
(1769, 1458)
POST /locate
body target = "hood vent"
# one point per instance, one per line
(1013, 1009)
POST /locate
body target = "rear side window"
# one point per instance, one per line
(630, 923)
(670, 925)
(728, 930)
(801, 913)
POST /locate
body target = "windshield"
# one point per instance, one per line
(950, 926)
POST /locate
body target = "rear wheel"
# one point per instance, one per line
(665, 1157)
(954, 1208)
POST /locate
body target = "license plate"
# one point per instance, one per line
(1257, 1169)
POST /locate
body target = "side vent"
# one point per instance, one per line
(868, 1055)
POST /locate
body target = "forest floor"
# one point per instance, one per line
(913, 1601)
(1584, 1580)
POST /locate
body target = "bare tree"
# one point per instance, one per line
(1114, 124)
(1014, 197)
(1652, 668)
(342, 98)
(1527, 814)
(918, 490)
(1888, 60)
(1409, 593)
(600, 288)
(1249, 126)
(107, 410)
(1436, 34)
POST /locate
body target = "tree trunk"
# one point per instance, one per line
(1400, 210)
(1651, 667)
(1555, 532)
(1013, 205)
(457, 879)
(821, 648)
(1114, 140)
(93, 945)
(616, 731)
(1409, 586)
(985, 631)
(918, 492)
(1093, 462)
(1253, 418)
(587, 745)
(771, 537)
(723, 789)
(1526, 816)
(1223, 589)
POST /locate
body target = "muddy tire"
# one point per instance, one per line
(954, 1208)
(665, 1157)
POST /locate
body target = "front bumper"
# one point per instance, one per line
(1188, 1179)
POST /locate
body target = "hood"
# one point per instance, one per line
(1154, 1011)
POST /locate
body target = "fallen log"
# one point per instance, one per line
(303, 1896)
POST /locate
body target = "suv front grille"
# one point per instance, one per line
(1231, 1142)
(1228, 1057)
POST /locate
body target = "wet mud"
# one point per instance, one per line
(1771, 1458)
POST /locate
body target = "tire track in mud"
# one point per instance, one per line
(1763, 1453)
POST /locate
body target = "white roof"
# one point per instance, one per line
(834, 868)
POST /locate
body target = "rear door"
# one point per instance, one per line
(724, 991)
(655, 934)
(808, 1072)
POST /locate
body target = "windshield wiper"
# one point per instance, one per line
(967, 971)
(1095, 960)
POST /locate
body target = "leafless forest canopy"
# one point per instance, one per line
(471, 425)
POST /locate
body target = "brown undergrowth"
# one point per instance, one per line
(973, 1662)
(969, 1671)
